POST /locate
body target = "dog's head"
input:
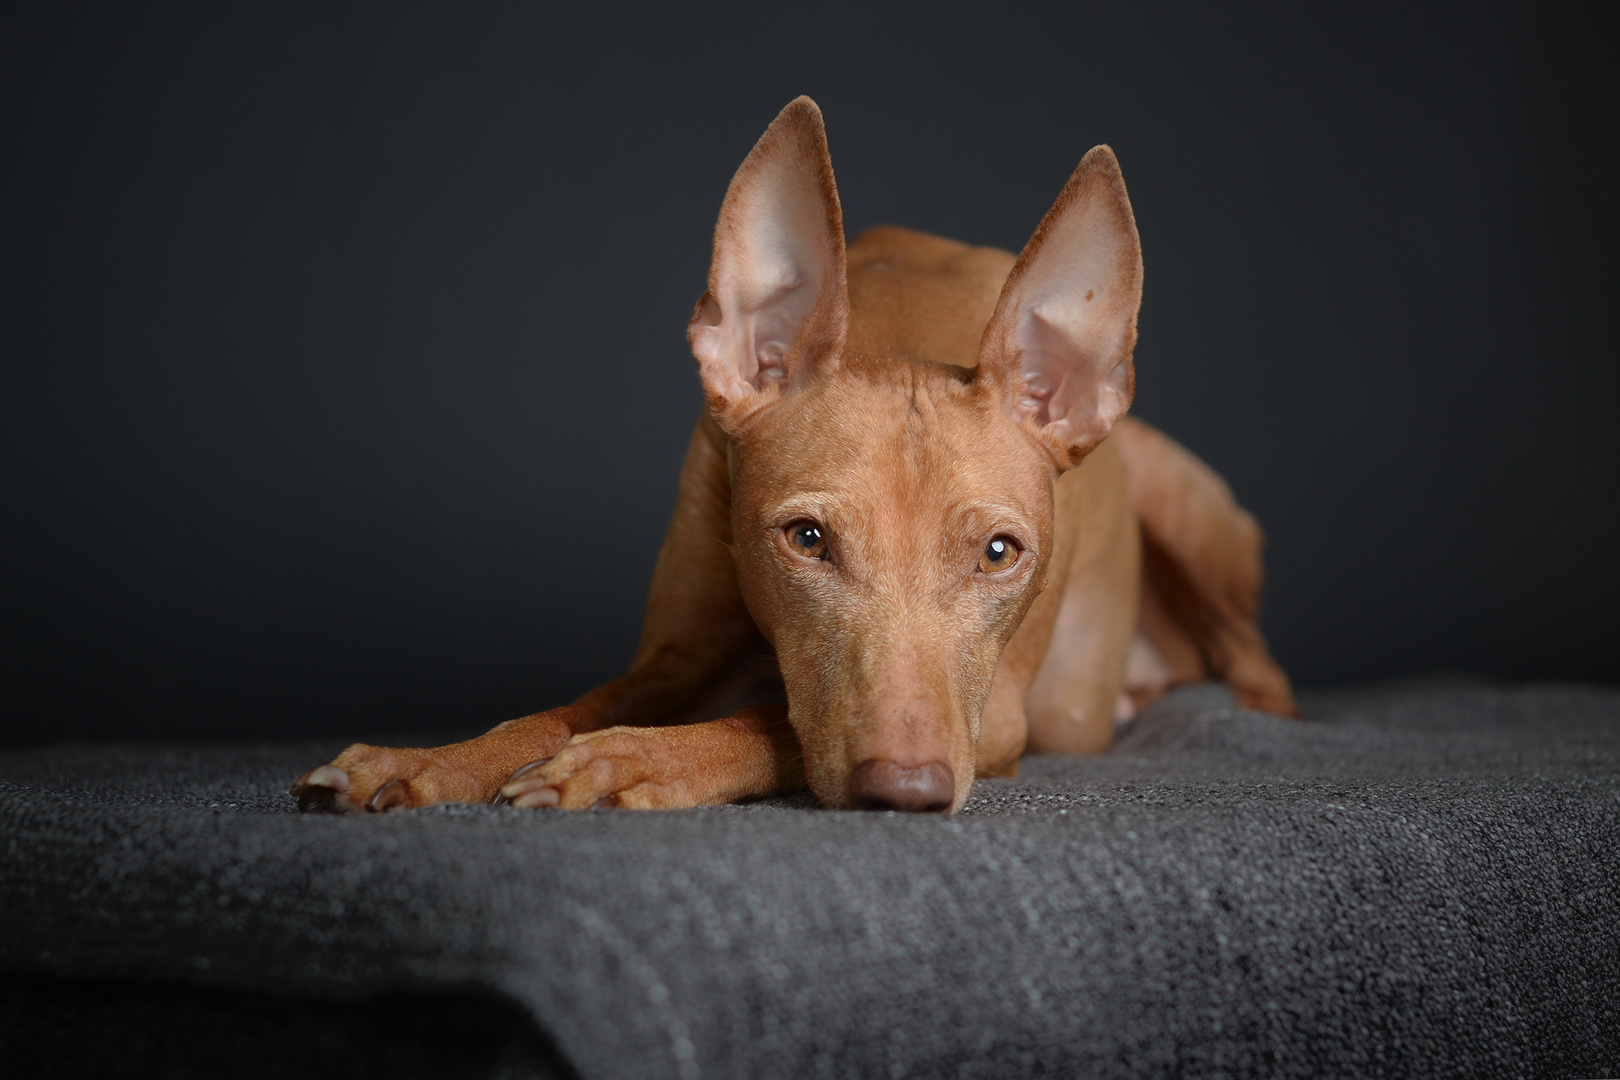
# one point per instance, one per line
(892, 516)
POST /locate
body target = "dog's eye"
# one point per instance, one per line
(999, 554)
(806, 539)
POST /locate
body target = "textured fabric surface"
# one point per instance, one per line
(1421, 880)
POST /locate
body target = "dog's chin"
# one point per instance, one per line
(830, 787)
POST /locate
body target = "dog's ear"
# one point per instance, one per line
(1058, 348)
(778, 304)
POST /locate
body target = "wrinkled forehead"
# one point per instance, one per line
(895, 436)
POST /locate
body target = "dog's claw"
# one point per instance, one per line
(527, 769)
(323, 788)
(524, 789)
(326, 776)
(391, 796)
(527, 797)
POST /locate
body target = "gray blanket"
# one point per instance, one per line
(1420, 881)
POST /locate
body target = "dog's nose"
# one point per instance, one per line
(878, 784)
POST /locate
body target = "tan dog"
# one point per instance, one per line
(914, 506)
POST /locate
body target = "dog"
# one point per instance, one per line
(916, 535)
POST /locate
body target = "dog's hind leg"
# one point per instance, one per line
(1201, 577)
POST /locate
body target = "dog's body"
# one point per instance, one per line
(913, 506)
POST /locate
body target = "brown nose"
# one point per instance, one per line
(878, 784)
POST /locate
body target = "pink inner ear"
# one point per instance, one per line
(776, 296)
(1074, 370)
(777, 273)
(1065, 325)
(1044, 369)
(1060, 356)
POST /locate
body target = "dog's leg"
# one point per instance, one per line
(1072, 701)
(1059, 678)
(746, 755)
(1202, 573)
(696, 635)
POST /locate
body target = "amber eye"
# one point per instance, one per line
(805, 538)
(999, 554)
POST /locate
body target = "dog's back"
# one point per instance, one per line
(922, 296)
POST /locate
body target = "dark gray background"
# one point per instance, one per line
(345, 376)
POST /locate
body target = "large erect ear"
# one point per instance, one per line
(777, 303)
(1059, 344)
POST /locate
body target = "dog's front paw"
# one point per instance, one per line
(633, 767)
(376, 779)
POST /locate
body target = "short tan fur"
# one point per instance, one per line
(914, 508)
